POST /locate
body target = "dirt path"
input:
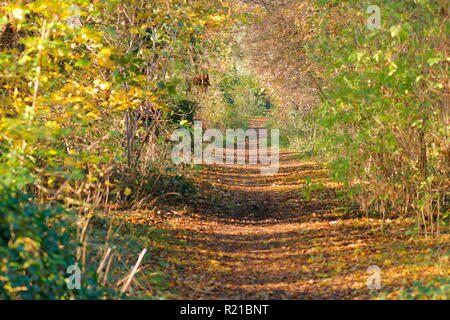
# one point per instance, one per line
(251, 236)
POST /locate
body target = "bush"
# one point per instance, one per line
(183, 110)
(437, 289)
(36, 247)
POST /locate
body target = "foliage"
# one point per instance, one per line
(383, 108)
(436, 289)
(310, 187)
(88, 94)
(77, 87)
(383, 115)
(235, 97)
(36, 247)
(184, 110)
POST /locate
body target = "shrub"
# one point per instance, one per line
(183, 110)
(36, 247)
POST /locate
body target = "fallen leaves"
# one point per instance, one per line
(254, 238)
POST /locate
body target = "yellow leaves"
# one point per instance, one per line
(395, 30)
(216, 21)
(89, 35)
(18, 13)
(52, 125)
(102, 84)
(315, 259)
(340, 267)
(51, 182)
(127, 191)
(322, 275)
(387, 262)
(218, 18)
(105, 53)
(68, 67)
(104, 58)
(392, 68)
(134, 30)
(109, 184)
(306, 268)
(92, 179)
(217, 266)
(92, 115)
(29, 244)
(121, 99)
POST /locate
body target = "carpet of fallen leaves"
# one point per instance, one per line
(250, 236)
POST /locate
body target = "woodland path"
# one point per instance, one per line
(251, 236)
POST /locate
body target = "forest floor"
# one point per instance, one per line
(251, 236)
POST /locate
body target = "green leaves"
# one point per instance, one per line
(36, 248)
(83, 62)
(340, 169)
(310, 187)
(395, 30)
(433, 61)
(381, 121)
(34, 257)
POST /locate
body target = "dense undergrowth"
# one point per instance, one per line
(91, 91)
(383, 118)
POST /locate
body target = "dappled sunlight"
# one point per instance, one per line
(252, 236)
(251, 149)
